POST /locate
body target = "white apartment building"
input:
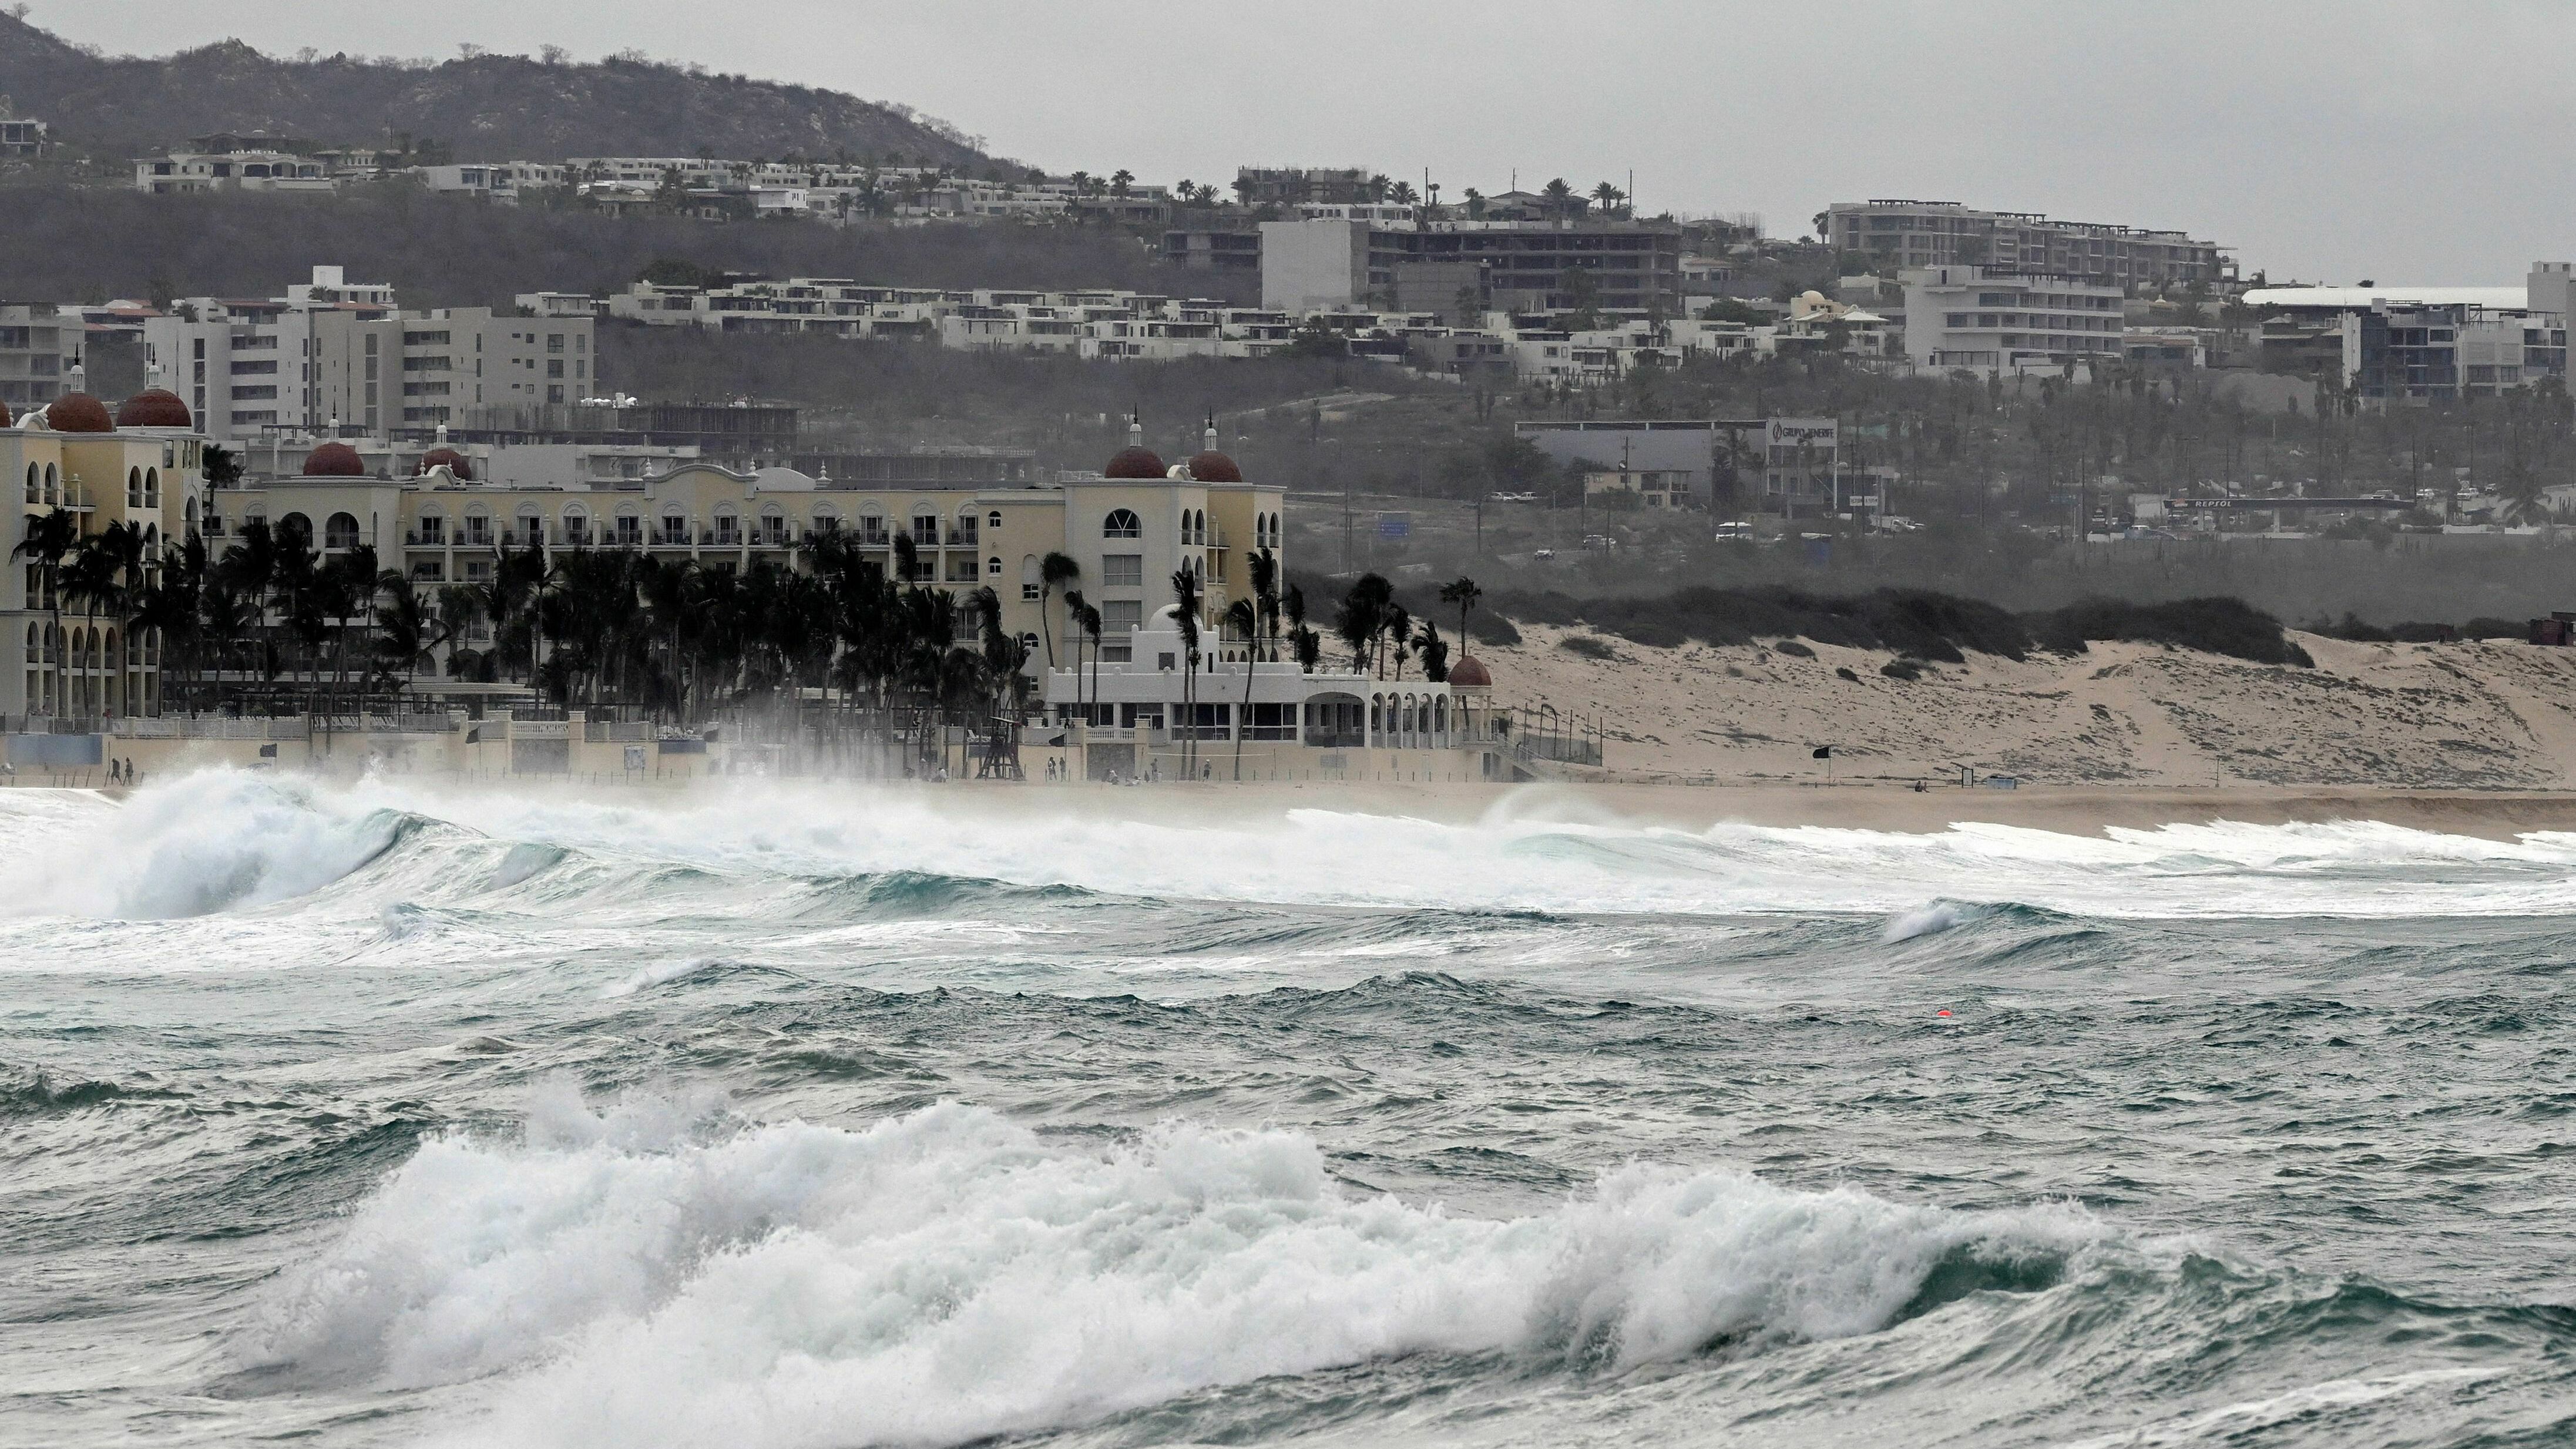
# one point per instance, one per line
(1944, 233)
(247, 170)
(331, 355)
(502, 181)
(1992, 320)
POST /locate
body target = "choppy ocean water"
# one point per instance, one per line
(378, 1115)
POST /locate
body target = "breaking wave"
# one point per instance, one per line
(645, 1278)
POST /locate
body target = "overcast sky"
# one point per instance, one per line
(2324, 141)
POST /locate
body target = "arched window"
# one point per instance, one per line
(827, 519)
(1122, 523)
(151, 487)
(1032, 582)
(728, 525)
(296, 529)
(773, 526)
(673, 527)
(188, 514)
(133, 487)
(967, 523)
(576, 526)
(630, 527)
(53, 484)
(340, 531)
(34, 493)
(993, 567)
(993, 519)
(530, 528)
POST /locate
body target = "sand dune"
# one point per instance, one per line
(2433, 716)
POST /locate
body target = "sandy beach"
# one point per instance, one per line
(2469, 716)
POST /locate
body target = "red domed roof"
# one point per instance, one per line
(154, 408)
(1135, 462)
(335, 460)
(5, 420)
(78, 412)
(452, 459)
(1470, 673)
(1214, 467)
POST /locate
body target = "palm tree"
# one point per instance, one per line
(1434, 651)
(1090, 621)
(1308, 647)
(1244, 615)
(1054, 571)
(49, 540)
(1558, 196)
(1608, 197)
(1119, 181)
(106, 577)
(1399, 632)
(1463, 592)
(1185, 616)
(1264, 567)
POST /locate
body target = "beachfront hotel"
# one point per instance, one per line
(1124, 705)
(138, 472)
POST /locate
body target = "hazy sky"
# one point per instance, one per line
(2328, 141)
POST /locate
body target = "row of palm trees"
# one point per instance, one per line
(1382, 633)
(836, 652)
(841, 652)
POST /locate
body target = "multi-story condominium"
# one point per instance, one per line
(332, 354)
(2394, 352)
(38, 349)
(1945, 233)
(1327, 262)
(1997, 320)
(141, 467)
(1257, 186)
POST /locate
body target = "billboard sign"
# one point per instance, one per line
(1818, 433)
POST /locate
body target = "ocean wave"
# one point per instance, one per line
(213, 841)
(229, 840)
(949, 1275)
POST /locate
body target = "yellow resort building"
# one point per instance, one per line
(1126, 707)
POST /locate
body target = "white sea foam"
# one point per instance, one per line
(947, 1275)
